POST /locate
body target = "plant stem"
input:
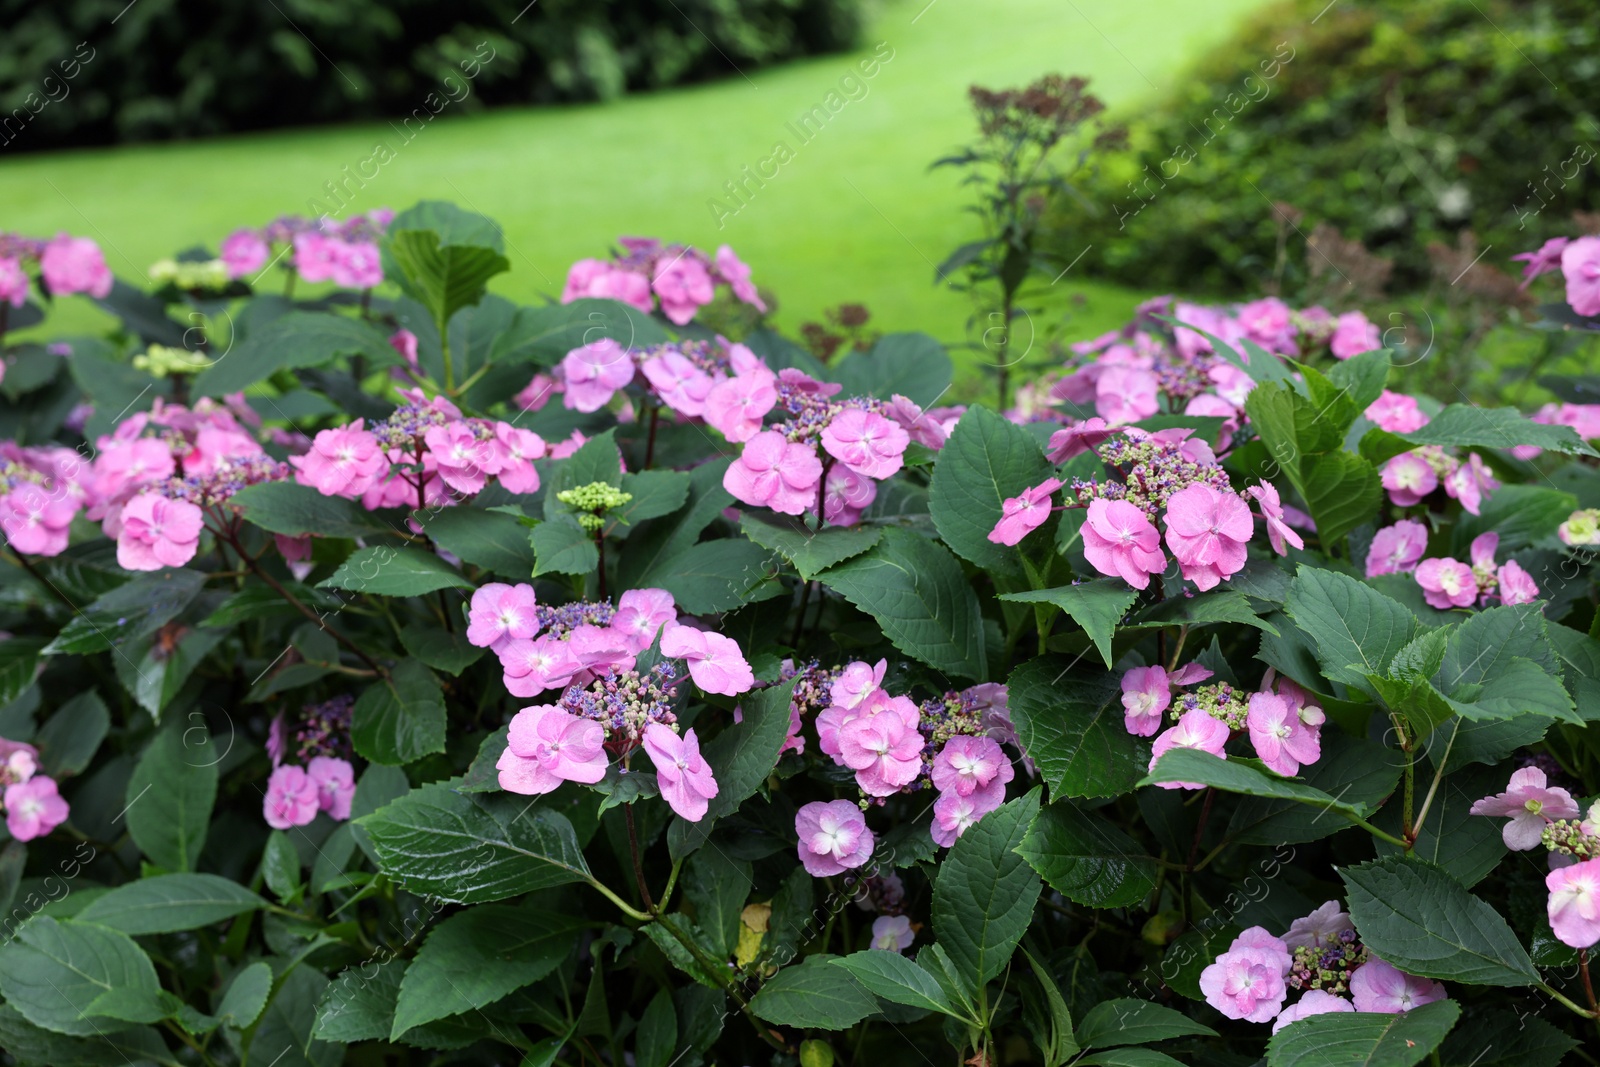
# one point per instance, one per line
(298, 605)
(638, 867)
(1555, 995)
(650, 447)
(1381, 835)
(1200, 826)
(1588, 983)
(715, 972)
(1438, 776)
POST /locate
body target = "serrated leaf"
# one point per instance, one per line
(165, 903)
(896, 979)
(296, 339)
(911, 364)
(1235, 776)
(1070, 723)
(400, 718)
(385, 571)
(19, 663)
(810, 551)
(445, 256)
(718, 576)
(1097, 606)
(561, 546)
(984, 894)
(1467, 425)
(293, 509)
(1130, 1021)
(813, 994)
(1087, 859)
(1363, 1039)
(489, 539)
(1355, 630)
(170, 796)
(128, 613)
(247, 994)
(986, 461)
(51, 971)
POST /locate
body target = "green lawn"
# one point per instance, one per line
(853, 216)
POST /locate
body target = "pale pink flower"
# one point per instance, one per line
(865, 442)
(1409, 477)
(686, 781)
(75, 265)
(1213, 406)
(679, 382)
(1279, 736)
(1146, 695)
(461, 460)
(1396, 413)
(537, 393)
(1580, 265)
(1021, 515)
(1312, 1002)
(1269, 323)
(1469, 482)
(1396, 549)
(122, 467)
(737, 405)
(1119, 541)
(775, 472)
(1573, 908)
(737, 275)
(13, 282)
(34, 808)
(892, 933)
(926, 428)
(335, 780)
(856, 682)
(1320, 929)
(296, 553)
(404, 342)
(598, 649)
(1516, 585)
(1231, 383)
(594, 373)
(342, 462)
(968, 765)
(1125, 394)
(547, 745)
(1207, 532)
(716, 663)
(1353, 335)
(1377, 986)
(1247, 981)
(244, 252)
(1194, 729)
(1191, 673)
(531, 667)
(500, 614)
(1077, 439)
(845, 495)
(157, 532)
(1278, 531)
(953, 813)
(357, 265)
(641, 613)
(882, 748)
(1447, 583)
(518, 449)
(314, 256)
(36, 522)
(1542, 260)
(1530, 804)
(684, 286)
(584, 278)
(292, 798)
(833, 837)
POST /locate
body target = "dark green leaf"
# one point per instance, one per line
(19, 663)
(170, 796)
(1355, 629)
(128, 612)
(813, 994)
(1085, 858)
(51, 972)
(911, 364)
(896, 979)
(1465, 425)
(1070, 723)
(165, 903)
(489, 539)
(400, 718)
(293, 509)
(69, 739)
(810, 551)
(297, 339)
(443, 650)
(561, 546)
(1130, 1021)
(394, 572)
(717, 576)
(984, 895)
(445, 256)
(1363, 1039)
(1096, 606)
(987, 460)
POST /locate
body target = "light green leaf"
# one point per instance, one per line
(445, 256)
(1096, 606)
(247, 994)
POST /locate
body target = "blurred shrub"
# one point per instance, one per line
(1398, 124)
(69, 75)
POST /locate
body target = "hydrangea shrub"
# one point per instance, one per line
(394, 673)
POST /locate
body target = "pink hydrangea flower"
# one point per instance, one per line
(679, 382)
(547, 745)
(882, 748)
(36, 522)
(737, 405)
(1447, 583)
(13, 282)
(968, 765)
(1207, 532)
(892, 933)
(1320, 929)
(75, 265)
(685, 778)
(865, 442)
(640, 615)
(1194, 729)
(1396, 549)
(1396, 413)
(531, 667)
(1409, 477)
(1516, 585)
(1580, 265)
(34, 808)
(1021, 515)
(1278, 531)
(833, 837)
(1352, 335)
(1077, 439)
(856, 682)
(1247, 981)
(716, 663)
(342, 462)
(1146, 695)
(684, 286)
(1573, 909)
(1542, 260)
(335, 780)
(594, 373)
(500, 614)
(1231, 383)
(738, 277)
(1531, 804)
(1269, 323)
(775, 472)
(1313, 1002)
(845, 495)
(461, 460)
(244, 252)
(1126, 394)
(518, 449)
(1120, 542)
(157, 532)
(1282, 740)
(356, 265)
(292, 798)
(314, 257)
(1469, 482)
(1377, 986)
(954, 814)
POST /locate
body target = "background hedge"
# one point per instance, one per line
(191, 68)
